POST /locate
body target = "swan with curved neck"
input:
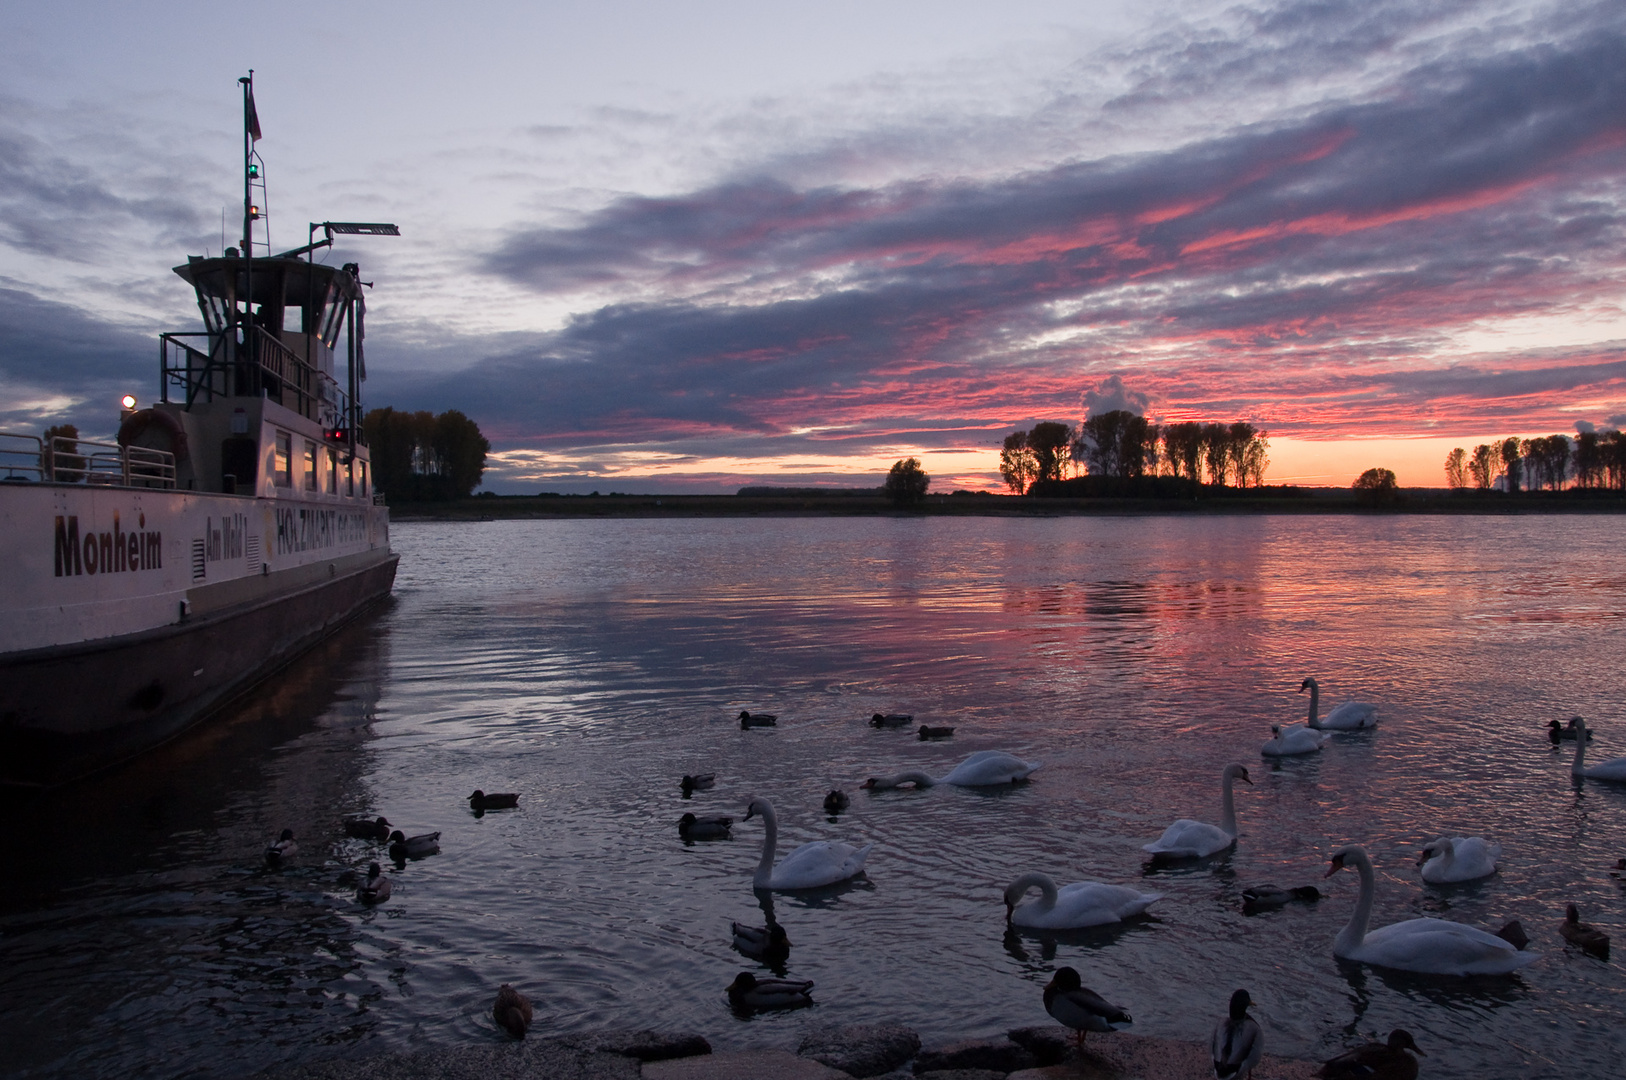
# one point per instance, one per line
(1350, 716)
(985, 768)
(816, 863)
(1431, 946)
(1072, 907)
(1458, 858)
(1293, 741)
(1191, 839)
(1613, 769)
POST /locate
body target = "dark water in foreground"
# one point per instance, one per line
(588, 665)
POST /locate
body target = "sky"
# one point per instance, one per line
(689, 245)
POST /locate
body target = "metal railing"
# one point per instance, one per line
(84, 461)
(261, 366)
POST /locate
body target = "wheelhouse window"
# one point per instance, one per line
(350, 478)
(310, 466)
(332, 471)
(363, 479)
(282, 469)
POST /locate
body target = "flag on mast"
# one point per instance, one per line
(252, 117)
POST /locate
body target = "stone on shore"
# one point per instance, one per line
(861, 1049)
(1121, 1056)
(526, 1060)
(996, 1055)
(743, 1065)
(1048, 1044)
(643, 1045)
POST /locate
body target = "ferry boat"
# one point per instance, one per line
(232, 524)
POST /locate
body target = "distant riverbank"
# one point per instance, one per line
(1264, 500)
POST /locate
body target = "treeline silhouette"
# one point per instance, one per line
(1126, 447)
(1592, 459)
(421, 457)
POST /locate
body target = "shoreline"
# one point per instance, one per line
(1227, 501)
(1045, 1052)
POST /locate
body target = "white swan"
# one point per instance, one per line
(985, 768)
(1458, 858)
(1432, 946)
(1293, 741)
(1188, 839)
(1075, 906)
(1613, 769)
(1350, 716)
(819, 862)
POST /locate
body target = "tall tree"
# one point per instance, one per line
(62, 452)
(1217, 452)
(906, 482)
(1048, 442)
(1183, 448)
(1512, 463)
(422, 457)
(1016, 464)
(1456, 469)
(1588, 461)
(1482, 466)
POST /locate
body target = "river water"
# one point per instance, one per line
(590, 664)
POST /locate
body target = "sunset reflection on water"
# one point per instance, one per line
(590, 664)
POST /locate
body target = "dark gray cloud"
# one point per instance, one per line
(54, 352)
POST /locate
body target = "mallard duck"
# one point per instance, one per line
(1237, 1043)
(836, 801)
(700, 782)
(1082, 1010)
(1376, 1061)
(891, 719)
(704, 828)
(767, 943)
(281, 849)
(1557, 733)
(750, 719)
(495, 801)
(376, 889)
(749, 992)
(1257, 898)
(413, 847)
(512, 1011)
(935, 732)
(1584, 935)
(362, 829)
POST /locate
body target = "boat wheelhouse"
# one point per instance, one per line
(231, 525)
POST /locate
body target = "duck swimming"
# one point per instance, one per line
(512, 1011)
(1257, 898)
(497, 801)
(750, 719)
(1583, 935)
(891, 719)
(1557, 733)
(704, 828)
(1375, 1061)
(935, 732)
(699, 782)
(749, 992)
(362, 829)
(413, 847)
(836, 802)
(376, 889)
(766, 943)
(985, 768)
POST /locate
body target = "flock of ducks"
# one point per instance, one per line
(1427, 945)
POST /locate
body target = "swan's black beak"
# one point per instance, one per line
(1337, 865)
